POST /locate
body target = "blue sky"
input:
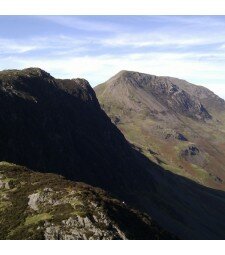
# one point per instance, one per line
(97, 47)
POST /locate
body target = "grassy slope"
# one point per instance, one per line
(138, 128)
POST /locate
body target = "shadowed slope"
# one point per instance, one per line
(57, 125)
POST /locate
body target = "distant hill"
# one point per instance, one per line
(178, 125)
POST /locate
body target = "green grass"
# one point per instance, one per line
(201, 174)
(4, 205)
(174, 169)
(37, 218)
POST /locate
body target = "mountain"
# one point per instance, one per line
(158, 94)
(178, 125)
(57, 126)
(38, 205)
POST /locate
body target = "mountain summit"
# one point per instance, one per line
(157, 94)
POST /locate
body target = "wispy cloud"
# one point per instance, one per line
(53, 45)
(153, 39)
(80, 23)
(8, 46)
(100, 68)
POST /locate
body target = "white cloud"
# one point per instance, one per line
(98, 69)
(11, 46)
(162, 38)
(141, 40)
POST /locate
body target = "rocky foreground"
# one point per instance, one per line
(34, 205)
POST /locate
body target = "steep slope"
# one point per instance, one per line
(58, 125)
(36, 205)
(176, 124)
(212, 102)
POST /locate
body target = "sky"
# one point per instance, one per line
(98, 47)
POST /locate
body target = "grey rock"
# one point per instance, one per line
(43, 197)
(33, 199)
(76, 228)
(2, 184)
(5, 185)
(193, 155)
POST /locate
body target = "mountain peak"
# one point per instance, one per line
(156, 93)
(36, 71)
(27, 72)
(123, 72)
(120, 75)
(78, 87)
(129, 75)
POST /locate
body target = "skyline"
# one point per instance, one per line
(97, 47)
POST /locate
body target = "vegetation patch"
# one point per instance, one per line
(37, 218)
